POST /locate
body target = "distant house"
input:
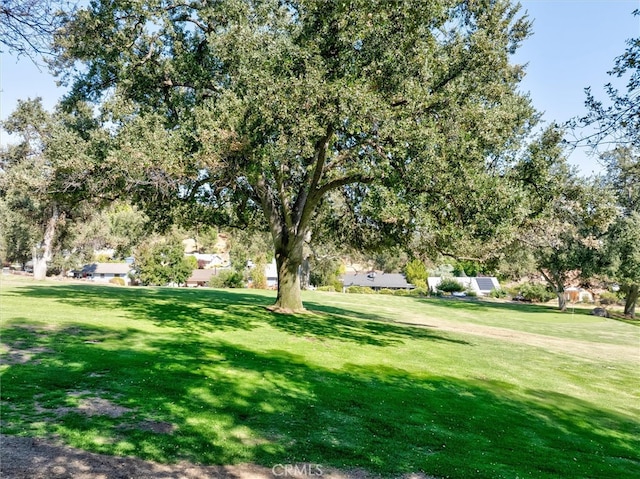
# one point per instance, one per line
(271, 273)
(481, 285)
(200, 277)
(211, 260)
(578, 295)
(376, 281)
(104, 272)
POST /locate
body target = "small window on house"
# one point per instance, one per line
(102, 275)
(117, 275)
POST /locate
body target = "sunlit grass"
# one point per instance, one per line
(467, 389)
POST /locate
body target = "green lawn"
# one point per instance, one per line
(393, 385)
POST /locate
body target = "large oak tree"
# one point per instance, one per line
(282, 113)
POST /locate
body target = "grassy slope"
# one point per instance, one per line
(347, 386)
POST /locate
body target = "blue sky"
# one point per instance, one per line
(574, 44)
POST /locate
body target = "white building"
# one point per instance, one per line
(104, 272)
(482, 285)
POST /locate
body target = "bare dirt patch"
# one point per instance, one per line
(22, 356)
(88, 404)
(96, 406)
(28, 458)
(158, 427)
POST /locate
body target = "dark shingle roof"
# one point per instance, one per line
(201, 275)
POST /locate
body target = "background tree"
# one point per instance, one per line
(44, 177)
(416, 273)
(568, 215)
(18, 236)
(248, 245)
(162, 262)
(258, 273)
(622, 255)
(269, 112)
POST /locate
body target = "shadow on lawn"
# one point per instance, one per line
(229, 404)
(204, 311)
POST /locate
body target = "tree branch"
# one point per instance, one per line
(302, 211)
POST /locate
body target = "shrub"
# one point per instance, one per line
(118, 281)
(401, 292)
(227, 279)
(416, 272)
(498, 293)
(450, 286)
(386, 291)
(535, 292)
(359, 290)
(419, 292)
(471, 293)
(329, 289)
(420, 283)
(608, 298)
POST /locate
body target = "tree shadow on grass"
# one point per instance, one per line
(347, 326)
(204, 311)
(208, 310)
(230, 404)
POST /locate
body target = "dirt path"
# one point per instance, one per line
(586, 349)
(28, 458)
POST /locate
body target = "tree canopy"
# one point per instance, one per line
(44, 177)
(284, 114)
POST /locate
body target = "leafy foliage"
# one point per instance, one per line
(161, 263)
(359, 290)
(416, 272)
(450, 285)
(227, 279)
(117, 281)
(45, 178)
(363, 120)
(569, 215)
(535, 292)
(258, 273)
(608, 298)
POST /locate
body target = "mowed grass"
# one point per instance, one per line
(392, 385)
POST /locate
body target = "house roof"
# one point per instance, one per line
(377, 280)
(201, 275)
(106, 268)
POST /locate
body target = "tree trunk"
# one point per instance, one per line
(562, 300)
(556, 281)
(288, 262)
(631, 300)
(289, 299)
(44, 254)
